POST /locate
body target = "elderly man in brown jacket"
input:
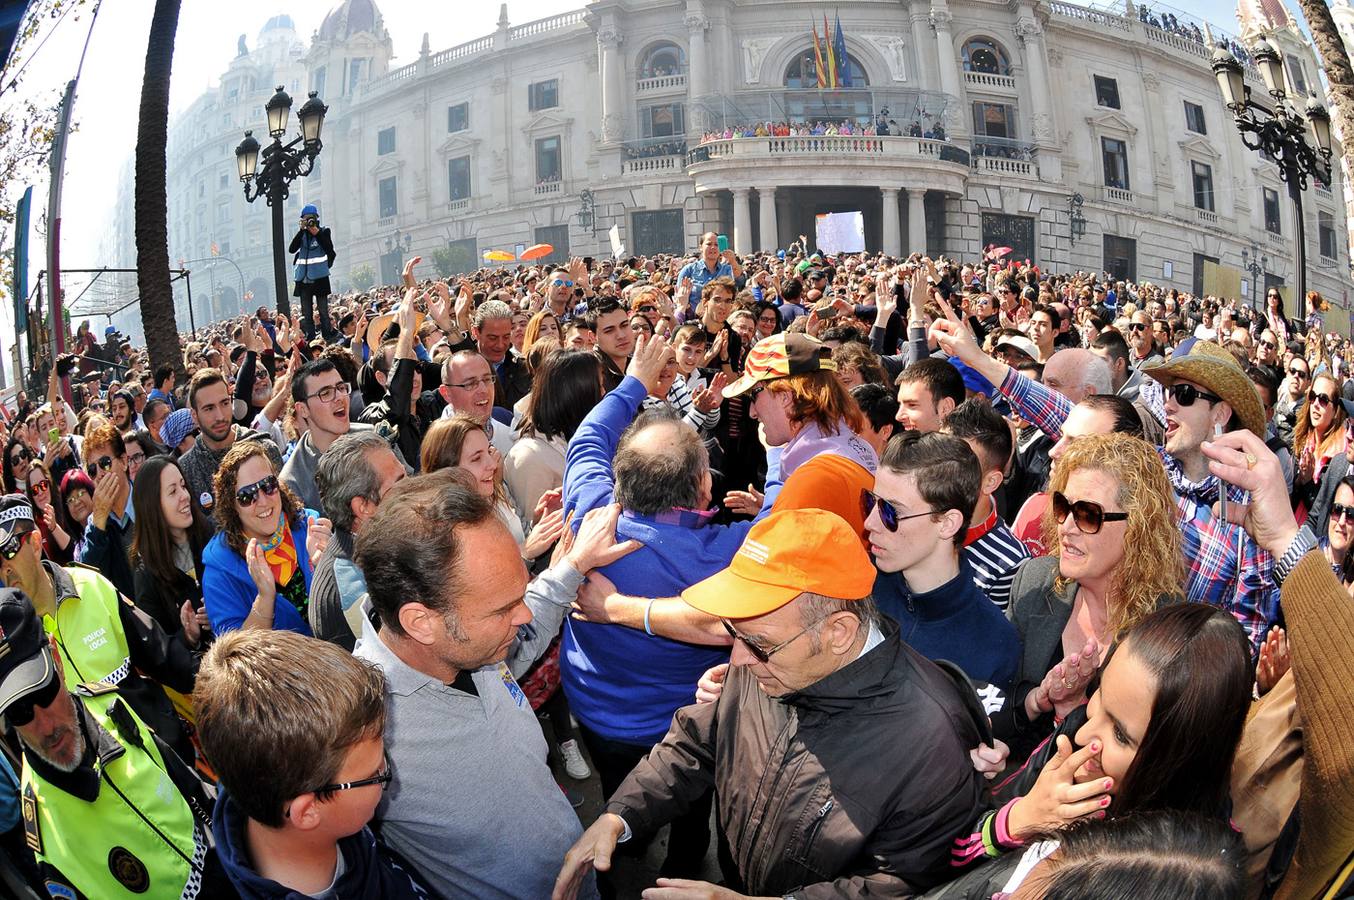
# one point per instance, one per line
(839, 756)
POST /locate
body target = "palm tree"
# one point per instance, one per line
(152, 208)
(1335, 60)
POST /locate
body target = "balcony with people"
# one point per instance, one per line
(662, 69)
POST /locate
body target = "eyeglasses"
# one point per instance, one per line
(246, 495)
(1314, 397)
(21, 711)
(329, 393)
(1339, 511)
(1298, 373)
(383, 778)
(1137, 326)
(104, 462)
(20, 456)
(560, 282)
(135, 459)
(1186, 394)
(888, 513)
(758, 652)
(486, 381)
(1088, 515)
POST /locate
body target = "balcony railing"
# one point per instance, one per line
(1006, 168)
(1117, 195)
(657, 84)
(834, 147)
(653, 164)
(459, 205)
(550, 23)
(981, 80)
(548, 188)
(1206, 216)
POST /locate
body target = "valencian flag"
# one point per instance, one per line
(831, 55)
(843, 70)
(818, 55)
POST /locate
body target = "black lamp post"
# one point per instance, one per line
(1255, 263)
(1076, 222)
(282, 164)
(1280, 132)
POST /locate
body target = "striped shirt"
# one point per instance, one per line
(994, 553)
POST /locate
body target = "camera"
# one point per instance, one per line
(65, 364)
(310, 221)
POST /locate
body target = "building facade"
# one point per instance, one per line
(1082, 138)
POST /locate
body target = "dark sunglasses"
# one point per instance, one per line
(648, 308)
(1314, 397)
(759, 653)
(104, 462)
(1186, 394)
(1339, 510)
(20, 455)
(1088, 515)
(20, 712)
(888, 513)
(1137, 326)
(246, 495)
(1298, 373)
(11, 547)
(1270, 344)
(43, 485)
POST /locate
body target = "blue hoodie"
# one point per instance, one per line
(368, 872)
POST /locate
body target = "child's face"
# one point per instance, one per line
(346, 812)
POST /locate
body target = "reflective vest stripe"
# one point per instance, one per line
(88, 630)
(312, 260)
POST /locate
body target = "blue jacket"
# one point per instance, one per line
(311, 262)
(228, 592)
(955, 622)
(622, 683)
(368, 872)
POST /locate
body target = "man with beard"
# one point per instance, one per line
(210, 402)
(109, 810)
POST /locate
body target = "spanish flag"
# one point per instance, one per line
(831, 56)
(818, 56)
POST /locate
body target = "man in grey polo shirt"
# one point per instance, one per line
(473, 805)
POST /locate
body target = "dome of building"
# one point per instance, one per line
(278, 23)
(349, 18)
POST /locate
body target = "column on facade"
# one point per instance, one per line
(892, 244)
(613, 87)
(1031, 34)
(948, 63)
(766, 218)
(698, 74)
(916, 221)
(1159, 163)
(742, 221)
(924, 71)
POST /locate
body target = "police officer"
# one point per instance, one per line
(313, 255)
(100, 635)
(109, 810)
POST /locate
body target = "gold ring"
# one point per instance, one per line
(1250, 461)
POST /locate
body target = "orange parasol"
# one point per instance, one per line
(498, 256)
(537, 251)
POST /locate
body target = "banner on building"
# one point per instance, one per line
(21, 217)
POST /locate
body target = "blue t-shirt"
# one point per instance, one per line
(700, 275)
(955, 622)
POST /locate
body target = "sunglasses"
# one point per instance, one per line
(1088, 515)
(1270, 344)
(43, 485)
(560, 282)
(11, 547)
(20, 455)
(1186, 394)
(1314, 397)
(104, 462)
(1298, 373)
(648, 308)
(1137, 326)
(1339, 511)
(20, 712)
(888, 513)
(246, 495)
(758, 652)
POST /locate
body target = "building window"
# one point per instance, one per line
(543, 95)
(1201, 285)
(802, 73)
(1121, 257)
(225, 181)
(994, 120)
(1273, 222)
(1106, 92)
(354, 74)
(385, 141)
(1325, 229)
(667, 120)
(549, 166)
(1293, 66)
(664, 58)
(556, 236)
(458, 177)
(1016, 232)
(1194, 118)
(1203, 185)
(1114, 152)
(657, 231)
(389, 198)
(222, 213)
(458, 117)
(986, 56)
(317, 81)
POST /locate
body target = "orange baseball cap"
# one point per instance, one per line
(786, 554)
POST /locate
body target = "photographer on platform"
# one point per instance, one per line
(313, 255)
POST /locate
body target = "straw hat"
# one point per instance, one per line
(1216, 370)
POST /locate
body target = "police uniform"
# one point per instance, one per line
(101, 637)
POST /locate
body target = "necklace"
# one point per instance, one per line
(276, 539)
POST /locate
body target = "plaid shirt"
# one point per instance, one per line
(1226, 568)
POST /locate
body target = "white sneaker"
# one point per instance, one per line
(573, 760)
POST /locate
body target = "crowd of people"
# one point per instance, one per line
(863, 576)
(931, 129)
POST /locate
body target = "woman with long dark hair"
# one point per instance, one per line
(18, 459)
(564, 389)
(1159, 733)
(169, 534)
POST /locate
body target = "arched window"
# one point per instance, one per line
(802, 73)
(664, 58)
(987, 56)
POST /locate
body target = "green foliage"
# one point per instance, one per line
(362, 277)
(444, 260)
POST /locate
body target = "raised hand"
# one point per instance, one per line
(318, 535)
(1274, 660)
(260, 571)
(709, 398)
(650, 358)
(407, 276)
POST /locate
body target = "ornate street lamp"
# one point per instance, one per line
(1256, 263)
(1281, 134)
(1076, 222)
(282, 164)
